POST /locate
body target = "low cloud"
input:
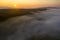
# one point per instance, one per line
(40, 24)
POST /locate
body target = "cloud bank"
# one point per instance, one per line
(40, 25)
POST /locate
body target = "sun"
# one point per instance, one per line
(15, 5)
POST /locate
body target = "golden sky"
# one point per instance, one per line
(28, 3)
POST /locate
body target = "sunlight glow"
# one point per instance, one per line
(15, 5)
(28, 3)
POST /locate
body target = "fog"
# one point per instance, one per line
(41, 25)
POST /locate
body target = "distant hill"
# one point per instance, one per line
(5, 12)
(1, 7)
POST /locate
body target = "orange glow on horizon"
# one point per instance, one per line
(27, 3)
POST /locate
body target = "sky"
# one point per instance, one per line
(28, 3)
